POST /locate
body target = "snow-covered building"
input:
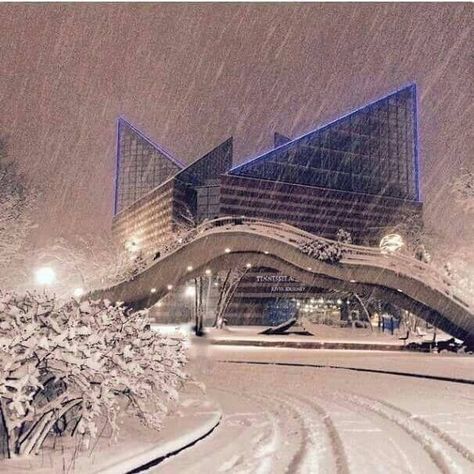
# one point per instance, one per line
(359, 172)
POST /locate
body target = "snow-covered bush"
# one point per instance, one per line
(64, 368)
(463, 189)
(17, 201)
(422, 254)
(344, 236)
(322, 250)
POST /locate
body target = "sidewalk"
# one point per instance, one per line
(325, 338)
(195, 417)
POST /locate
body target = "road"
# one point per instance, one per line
(305, 419)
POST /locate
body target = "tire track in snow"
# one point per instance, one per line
(267, 443)
(309, 437)
(357, 416)
(432, 446)
(301, 431)
(338, 452)
(264, 441)
(465, 452)
(228, 448)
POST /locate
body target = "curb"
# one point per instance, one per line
(363, 346)
(440, 378)
(154, 456)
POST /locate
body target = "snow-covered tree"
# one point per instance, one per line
(422, 254)
(183, 218)
(463, 189)
(458, 266)
(89, 262)
(16, 204)
(227, 284)
(65, 367)
(344, 236)
(322, 250)
(410, 227)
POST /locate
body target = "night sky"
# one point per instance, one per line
(190, 76)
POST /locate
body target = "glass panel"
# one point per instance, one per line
(376, 143)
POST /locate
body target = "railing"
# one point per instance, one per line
(355, 255)
(352, 254)
(402, 264)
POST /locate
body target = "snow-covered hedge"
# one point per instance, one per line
(62, 368)
(344, 236)
(322, 250)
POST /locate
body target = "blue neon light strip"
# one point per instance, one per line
(155, 145)
(416, 145)
(123, 121)
(117, 165)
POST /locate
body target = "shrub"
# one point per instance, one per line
(65, 367)
(322, 250)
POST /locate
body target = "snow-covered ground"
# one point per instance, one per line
(300, 411)
(194, 416)
(308, 419)
(321, 333)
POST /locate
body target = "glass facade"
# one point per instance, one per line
(358, 173)
(372, 151)
(208, 202)
(156, 197)
(141, 165)
(201, 180)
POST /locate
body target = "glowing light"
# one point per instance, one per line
(339, 301)
(45, 276)
(248, 265)
(153, 290)
(159, 304)
(189, 268)
(391, 243)
(78, 292)
(352, 281)
(132, 245)
(309, 268)
(266, 252)
(169, 287)
(208, 272)
(227, 250)
(190, 292)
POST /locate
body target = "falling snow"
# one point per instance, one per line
(191, 76)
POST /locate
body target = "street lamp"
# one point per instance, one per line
(391, 243)
(190, 291)
(45, 276)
